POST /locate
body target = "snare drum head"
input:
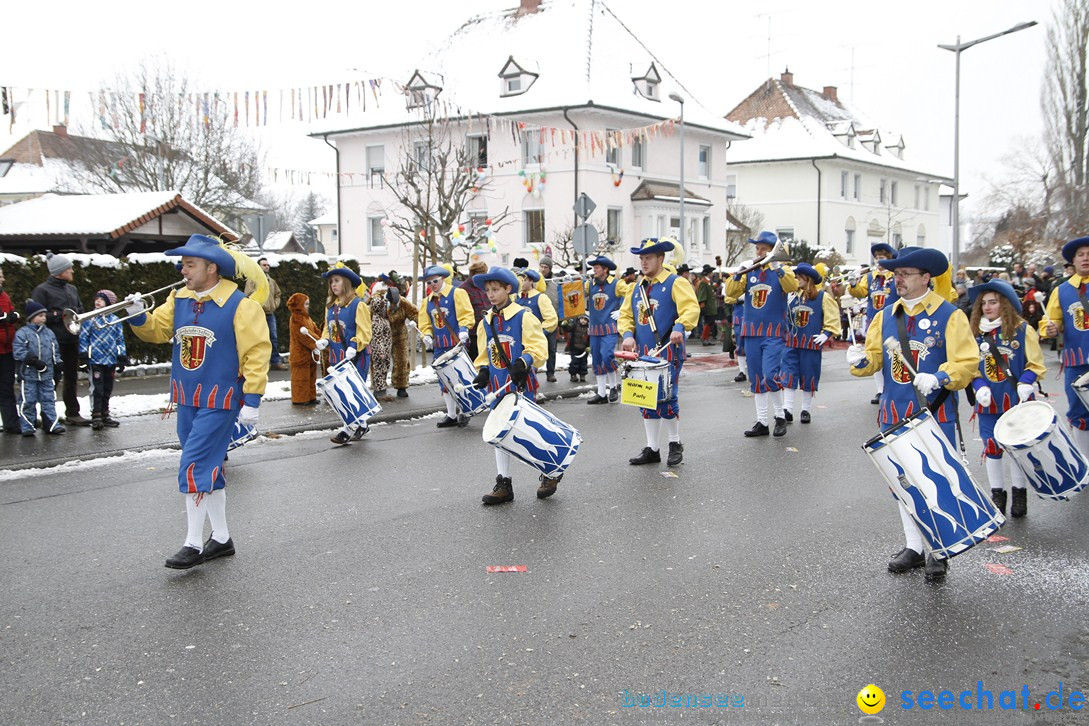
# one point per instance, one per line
(497, 420)
(1082, 381)
(1024, 423)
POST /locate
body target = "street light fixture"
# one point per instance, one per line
(680, 99)
(957, 48)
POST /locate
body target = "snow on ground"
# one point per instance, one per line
(68, 467)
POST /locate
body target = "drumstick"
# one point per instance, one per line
(891, 344)
(461, 387)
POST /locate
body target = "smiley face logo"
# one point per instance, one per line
(871, 699)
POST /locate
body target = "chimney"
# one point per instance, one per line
(787, 78)
(829, 92)
(527, 7)
(61, 130)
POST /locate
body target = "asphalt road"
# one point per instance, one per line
(359, 593)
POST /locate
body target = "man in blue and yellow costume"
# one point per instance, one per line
(446, 319)
(1067, 313)
(218, 373)
(878, 289)
(658, 313)
(604, 296)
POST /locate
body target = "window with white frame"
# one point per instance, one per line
(858, 187)
(920, 236)
(612, 153)
(926, 198)
(731, 186)
(532, 150)
(704, 165)
(376, 238)
(849, 235)
(844, 177)
(533, 227)
(639, 154)
(707, 234)
(883, 190)
(893, 196)
(376, 165)
(512, 86)
(918, 200)
(786, 234)
(476, 223)
(613, 219)
(421, 157)
(477, 148)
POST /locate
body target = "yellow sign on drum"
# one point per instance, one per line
(643, 394)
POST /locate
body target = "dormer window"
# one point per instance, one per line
(845, 132)
(515, 80)
(871, 140)
(897, 149)
(420, 91)
(647, 84)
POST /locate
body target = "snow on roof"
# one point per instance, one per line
(51, 175)
(327, 218)
(584, 55)
(110, 215)
(276, 241)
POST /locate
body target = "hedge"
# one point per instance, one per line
(146, 272)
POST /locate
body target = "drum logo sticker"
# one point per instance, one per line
(505, 341)
(1077, 314)
(440, 314)
(644, 312)
(600, 299)
(991, 368)
(193, 343)
(801, 316)
(336, 332)
(900, 373)
(574, 297)
(760, 295)
(878, 298)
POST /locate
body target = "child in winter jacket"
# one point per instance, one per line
(102, 351)
(578, 344)
(36, 352)
(304, 369)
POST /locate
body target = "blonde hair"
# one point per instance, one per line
(348, 295)
(1011, 321)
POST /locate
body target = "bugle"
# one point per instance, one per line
(74, 321)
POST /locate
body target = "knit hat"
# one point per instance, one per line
(107, 296)
(520, 262)
(545, 260)
(57, 264)
(33, 307)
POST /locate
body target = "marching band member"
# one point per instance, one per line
(945, 357)
(658, 312)
(814, 320)
(220, 365)
(878, 289)
(536, 301)
(446, 318)
(604, 296)
(1067, 312)
(765, 291)
(511, 346)
(347, 332)
(1011, 364)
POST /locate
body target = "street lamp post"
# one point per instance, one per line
(680, 99)
(957, 48)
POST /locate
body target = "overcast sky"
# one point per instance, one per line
(882, 56)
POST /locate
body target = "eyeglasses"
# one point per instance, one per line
(436, 281)
(899, 273)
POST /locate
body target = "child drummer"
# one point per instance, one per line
(347, 332)
(658, 313)
(511, 344)
(1067, 314)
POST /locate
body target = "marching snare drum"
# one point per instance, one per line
(926, 475)
(456, 372)
(343, 388)
(527, 432)
(1081, 388)
(241, 435)
(651, 369)
(1030, 432)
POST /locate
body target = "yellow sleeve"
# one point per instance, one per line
(1052, 314)
(254, 348)
(541, 286)
(482, 343)
(626, 322)
(961, 352)
(533, 339)
(735, 288)
(831, 315)
(623, 288)
(423, 320)
(875, 349)
(548, 311)
(158, 326)
(862, 289)
(1034, 356)
(362, 326)
(463, 309)
(788, 282)
(688, 309)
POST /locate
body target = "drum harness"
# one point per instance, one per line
(650, 317)
(499, 348)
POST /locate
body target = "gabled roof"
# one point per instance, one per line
(664, 191)
(38, 146)
(327, 218)
(281, 240)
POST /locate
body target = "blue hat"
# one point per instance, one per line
(927, 260)
(804, 268)
(653, 246)
(603, 261)
(496, 274)
(883, 247)
(33, 307)
(206, 248)
(528, 272)
(1049, 270)
(1071, 247)
(435, 270)
(346, 273)
(1002, 287)
(765, 238)
(908, 250)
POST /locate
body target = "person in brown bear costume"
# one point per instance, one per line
(400, 311)
(304, 369)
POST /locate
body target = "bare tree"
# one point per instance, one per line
(563, 247)
(161, 135)
(737, 244)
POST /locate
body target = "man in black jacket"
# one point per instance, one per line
(57, 294)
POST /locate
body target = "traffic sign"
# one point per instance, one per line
(584, 206)
(584, 239)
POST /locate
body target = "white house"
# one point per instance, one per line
(325, 231)
(551, 99)
(820, 171)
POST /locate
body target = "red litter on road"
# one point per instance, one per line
(506, 568)
(996, 569)
(998, 538)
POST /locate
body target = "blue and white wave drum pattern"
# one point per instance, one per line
(527, 432)
(1030, 432)
(454, 369)
(651, 370)
(926, 475)
(343, 389)
(241, 435)
(1081, 388)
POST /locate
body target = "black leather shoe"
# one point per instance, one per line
(788, 416)
(447, 423)
(676, 453)
(804, 418)
(780, 427)
(574, 378)
(402, 393)
(360, 432)
(463, 421)
(906, 559)
(502, 492)
(1019, 505)
(595, 399)
(551, 378)
(758, 429)
(935, 568)
(342, 438)
(614, 394)
(646, 456)
(740, 377)
(998, 496)
(185, 558)
(77, 420)
(876, 399)
(213, 549)
(110, 421)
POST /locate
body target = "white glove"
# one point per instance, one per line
(349, 353)
(1025, 391)
(821, 339)
(1038, 297)
(855, 354)
(428, 341)
(615, 315)
(248, 416)
(463, 337)
(136, 304)
(322, 344)
(927, 383)
(983, 396)
(852, 280)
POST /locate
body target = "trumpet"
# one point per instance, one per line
(73, 321)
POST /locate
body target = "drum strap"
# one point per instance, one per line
(905, 351)
(997, 358)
